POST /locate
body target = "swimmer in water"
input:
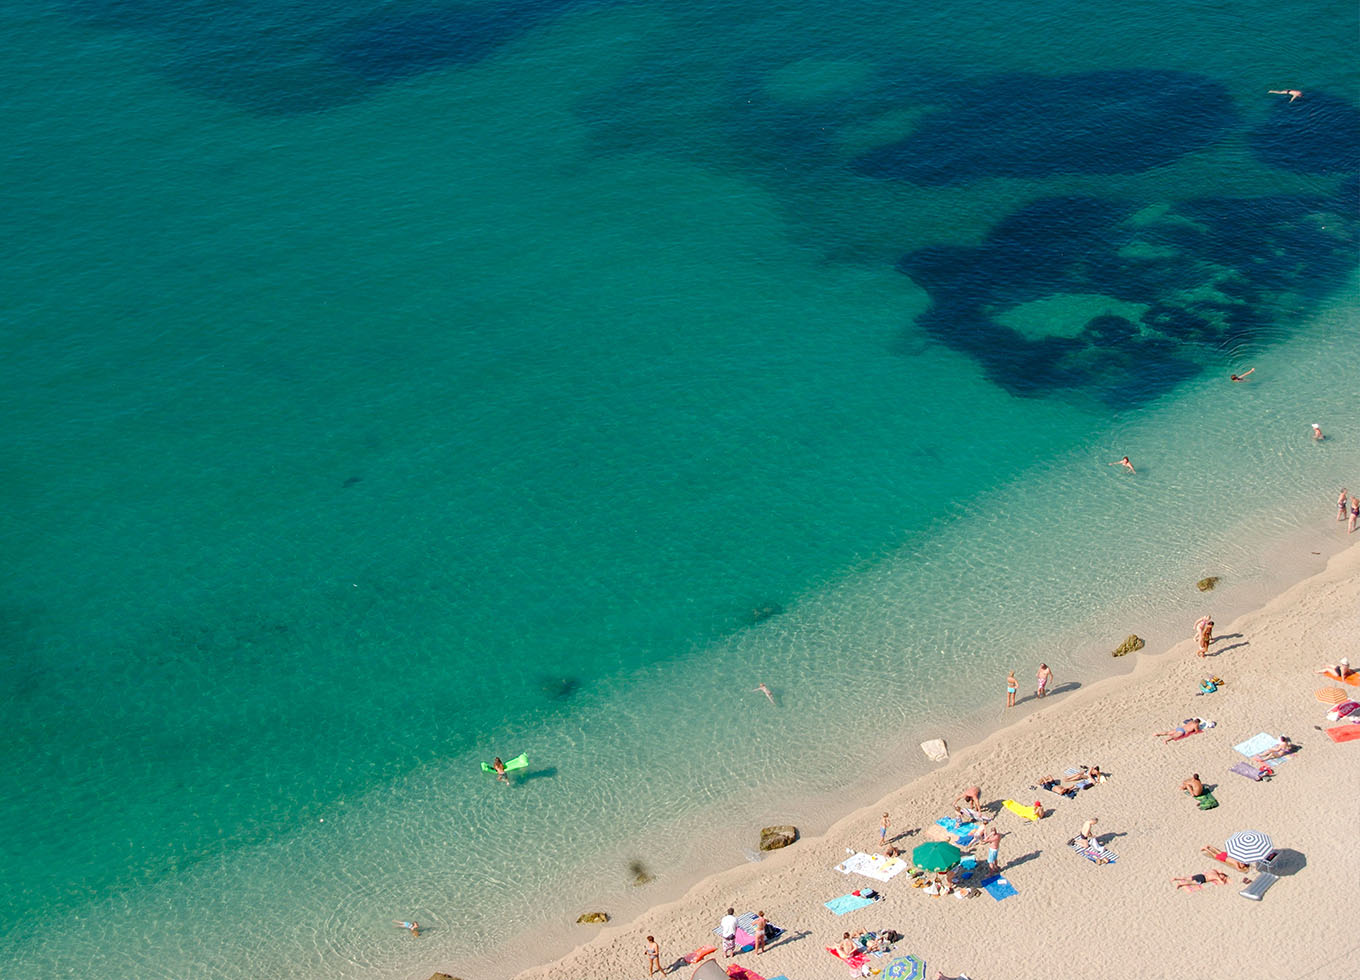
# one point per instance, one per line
(1124, 463)
(1240, 377)
(765, 691)
(1293, 93)
(1317, 432)
(412, 927)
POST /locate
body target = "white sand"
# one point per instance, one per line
(1073, 918)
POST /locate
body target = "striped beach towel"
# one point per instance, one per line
(1092, 852)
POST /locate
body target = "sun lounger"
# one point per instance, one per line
(1257, 889)
(698, 955)
(1206, 801)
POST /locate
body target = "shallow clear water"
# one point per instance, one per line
(392, 387)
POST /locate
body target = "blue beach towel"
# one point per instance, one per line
(1257, 744)
(998, 887)
(968, 866)
(961, 832)
(848, 903)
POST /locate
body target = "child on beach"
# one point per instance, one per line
(1012, 685)
(883, 830)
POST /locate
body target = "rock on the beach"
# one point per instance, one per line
(773, 838)
(935, 749)
(588, 918)
(1205, 584)
(1134, 642)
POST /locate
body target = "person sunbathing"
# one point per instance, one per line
(1339, 671)
(1190, 726)
(1054, 785)
(1194, 881)
(1208, 850)
(1283, 748)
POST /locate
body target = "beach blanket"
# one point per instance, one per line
(699, 954)
(1092, 852)
(1250, 771)
(741, 973)
(848, 903)
(856, 960)
(1257, 744)
(879, 867)
(1344, 733)
(998, 887)
(1074, 770)
(746, 931)
(1020, 809)
(959, 831)
(1206, 801)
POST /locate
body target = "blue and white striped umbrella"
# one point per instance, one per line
(1248, 846)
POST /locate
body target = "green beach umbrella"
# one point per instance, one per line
(906, 968)
(936, 856)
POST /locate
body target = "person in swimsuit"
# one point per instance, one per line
(653, 951)
(1188, 727)
(848, 946)
(499, 766)
(1355, 515)
(1341, 505)
(412, 927)
(1317, 433)
(1341, 670)
(1210, 851)
(1124, 462)
(1045, 677)
(1240, 377)
(883, 829)
(760, 924)
(1293, 93)
(1012, 685)
(1193, 785)
(1214, 877)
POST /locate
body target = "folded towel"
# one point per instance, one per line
(848, 903)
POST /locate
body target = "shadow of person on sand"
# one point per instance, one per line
(788, 936)
(1060, 689)
(1223, 650)
(1022, 859)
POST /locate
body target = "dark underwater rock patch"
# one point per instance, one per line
(1027, 125)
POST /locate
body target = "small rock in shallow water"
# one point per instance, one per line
(773, 838)
(1128, 646)
(1205, 584)
(590, 918)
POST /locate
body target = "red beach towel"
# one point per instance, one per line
(741, 973)
(856, 960)
(1344, 733)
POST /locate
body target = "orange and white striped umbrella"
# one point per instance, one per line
(1330, 695)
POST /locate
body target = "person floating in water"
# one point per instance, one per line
(412, 927)
(1124, 463)
(1240, 377)
(499, 766)
(1293, 93)
(765, 691)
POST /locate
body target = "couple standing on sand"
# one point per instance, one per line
(1044, 677)
(1348, 514)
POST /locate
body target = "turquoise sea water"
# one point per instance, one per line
(392, 386)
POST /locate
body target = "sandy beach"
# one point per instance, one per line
(1070, 916)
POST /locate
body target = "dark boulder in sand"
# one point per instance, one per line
(1128, 646)
(442, 976)
(589, 918)
(1205, 584)
(773, 838)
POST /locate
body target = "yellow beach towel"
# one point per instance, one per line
(1019, 808)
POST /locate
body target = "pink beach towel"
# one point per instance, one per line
(1344, 733)
(856, 960)
(741, 973)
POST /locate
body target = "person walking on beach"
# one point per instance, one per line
(654, 957)
(883, 830)
(412, 927)
(1293, 93)
(1045, 677)
(1204, 634)
(1012, 685)
(1341, 505)
(1317, 433)
(1240, 377)
(760, 924)
(728, 930)
(1124, 463)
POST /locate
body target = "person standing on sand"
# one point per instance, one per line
(654, 957)
(1355, 515)
(1012, 685)
(883, 830)
(1341, 505)
(728, 929)
(992, 838)
(760, 924)
(1204, 634)
(1124, 463)
(1045, 677)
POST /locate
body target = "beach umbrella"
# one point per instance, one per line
(1248, 846)
(906, 968)
(1330, 695)
(936, 856)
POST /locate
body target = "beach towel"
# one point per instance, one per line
(856, 960)
(1344, 733)
(1248, 770)
(699, 954)
(879, 867)
(746, 931)
(1206, 801)
(1020, 809)
(998, 887)
(1092, 852)
(959, 831)
(741, 973)
(848, 903)
(1257, 744)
